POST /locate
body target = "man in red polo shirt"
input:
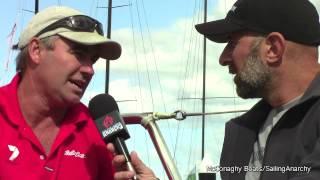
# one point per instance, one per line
(46, 132)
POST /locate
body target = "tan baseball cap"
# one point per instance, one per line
(48, 17)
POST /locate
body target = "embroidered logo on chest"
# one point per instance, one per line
(74, 153)
(15, 152)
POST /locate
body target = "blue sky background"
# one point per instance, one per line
(161, 62)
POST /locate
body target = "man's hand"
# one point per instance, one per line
(142, 171)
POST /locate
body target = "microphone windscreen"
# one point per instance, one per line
(105, 112)
(101, 105)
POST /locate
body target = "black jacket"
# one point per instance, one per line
(293, 142)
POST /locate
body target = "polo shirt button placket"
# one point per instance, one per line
(42, 157)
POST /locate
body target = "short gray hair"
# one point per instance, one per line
(23, 55)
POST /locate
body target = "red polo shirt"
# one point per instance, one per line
(78, 152)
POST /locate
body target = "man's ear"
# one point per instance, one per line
(275, 48)
(34, 50)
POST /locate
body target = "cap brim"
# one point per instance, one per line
(218, 31)
(108, 49)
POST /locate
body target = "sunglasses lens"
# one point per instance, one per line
(99, 29)
(76, 23)
(84, 23)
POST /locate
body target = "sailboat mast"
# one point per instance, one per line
(204, 81)
(36, 6)
(108, 36)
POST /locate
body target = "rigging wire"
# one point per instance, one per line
(187, 69)
(154, 57)
(194, 72)
(188, 57)
(156, 66)
(7, 61)
(180, 90)
(136, 54)
(198, 66)
(10, 38)
(145, 52)
(10, 41)
(197, 47)
(136, 60)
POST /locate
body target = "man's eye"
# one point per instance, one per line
(77, 53)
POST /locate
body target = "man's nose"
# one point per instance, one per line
(87, 67)
(225, 58)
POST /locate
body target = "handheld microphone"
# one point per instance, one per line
(111, 126)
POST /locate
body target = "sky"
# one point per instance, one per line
(160, 66)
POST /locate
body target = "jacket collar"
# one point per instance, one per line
(313, 90)
(255, 117)
(243, 130)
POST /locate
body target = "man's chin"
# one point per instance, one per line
(72, 100)
(246, 92)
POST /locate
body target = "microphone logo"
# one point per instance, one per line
(108, 121)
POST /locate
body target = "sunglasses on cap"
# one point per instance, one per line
(80, 23)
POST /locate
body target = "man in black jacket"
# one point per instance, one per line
(272, 51)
